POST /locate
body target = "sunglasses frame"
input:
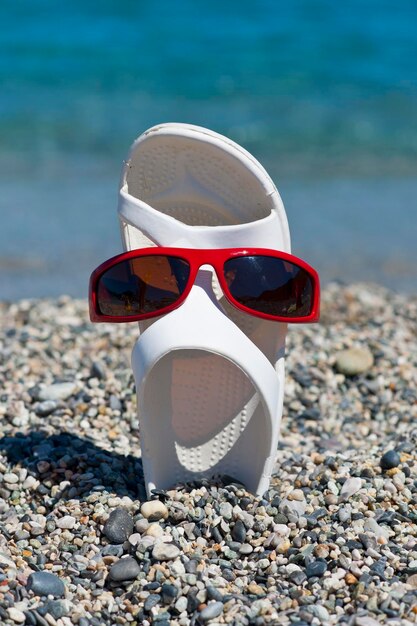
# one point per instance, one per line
(196, 258)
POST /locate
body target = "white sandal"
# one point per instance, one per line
(209, 378)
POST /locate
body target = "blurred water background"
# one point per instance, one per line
(323, 93)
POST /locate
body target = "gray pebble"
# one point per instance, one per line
(119, 526)
(165, 551)
(239, 531)
(168, 593)
(45, 583)
(124, 569)
(152, 600)
(115, 403)
(316, 568)
(212, 610)
(56, 608)
(390, 459)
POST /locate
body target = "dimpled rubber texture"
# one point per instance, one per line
(200, 413)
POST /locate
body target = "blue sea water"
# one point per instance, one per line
(323, 93)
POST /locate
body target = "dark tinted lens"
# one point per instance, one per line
(142, 285)
(270, 285)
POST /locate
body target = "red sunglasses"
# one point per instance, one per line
(145, 283)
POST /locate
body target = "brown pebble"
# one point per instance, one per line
(317, 458)
(322, 551)
(255, 589)
(350, 579)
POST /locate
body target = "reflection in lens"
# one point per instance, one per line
(142, 285)
(270, 285)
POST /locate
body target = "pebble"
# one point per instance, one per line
(165, 551)
(212, 610)
(168, 593)
(68, 522)
(124, 569)
(46, 408)
(366, 620)
(57, 391)
(412, 580)
(316, 568)
(350, 487)
(16, 616)
(119, 526)
(154, 510)
(354, 361)
(45, 583)
(11, 478)
(390, 459)
(239, 531)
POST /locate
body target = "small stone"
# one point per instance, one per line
(412, 580)
(350, 579)
(239, 531)
(165, 551)
(68, 522)
(344, 514)
(45, 584)
(390, 459)
(226, 510)
(296, 494)
(214, 594)
(119, 526)
(246, 548)
(181, 604)
(322, 551)
(298, 577)
(293, 506)
(154, 530)
(11, 478)
(354, 361)
(98, 370)
(316, 568)
(16, 616)
(57, 391)
(320, 612)
(124, 569)
(152, 600)
(56, 608)
(115, 403)
(283, 547)
(255, 589)
(350, 487)
(46, 408)
(366, 620)
(168, 593)
(154, 510)
(212, 610)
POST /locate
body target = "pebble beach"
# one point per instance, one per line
(333, 541)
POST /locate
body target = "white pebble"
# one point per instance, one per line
(350, 487)
(16, 615)
(154, 510)
(68, 522)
